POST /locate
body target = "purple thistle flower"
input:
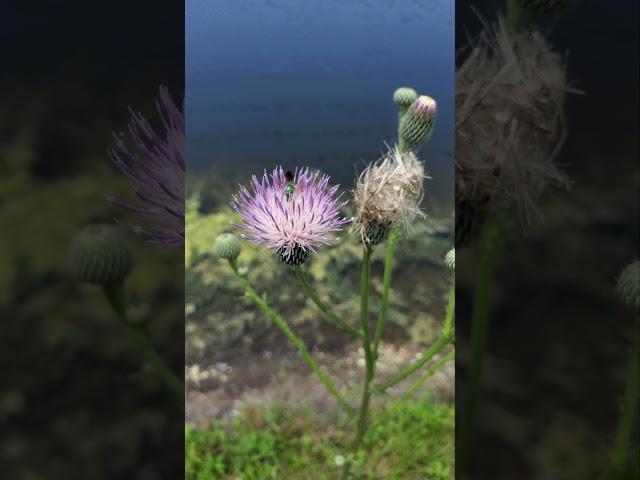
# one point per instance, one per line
(154, 164)
(290, 224)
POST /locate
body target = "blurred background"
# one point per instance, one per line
(310, 84)
(73, 400)
(559, 335)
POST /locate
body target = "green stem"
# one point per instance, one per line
(340, 322)
(401, 146)
(514, 14)
(417, 384)
(388, 268)
(115, 296)
(299, 344)
(401, 113)
(368, 355)
(479, 324)
(628, 411)
(451, 306)
(366, 343)
(435, 348)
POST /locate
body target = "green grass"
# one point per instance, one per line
(416, 442)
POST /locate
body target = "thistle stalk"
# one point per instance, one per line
(479, 326)
(115, 296)
(394, 235)
(410, 392)
(313, 295)
(366, 343)
(299, 344)
(433, 350)
(628, 412)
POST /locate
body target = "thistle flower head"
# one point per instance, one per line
(226, 246)
(290, 223)
(154, 165)
(510, 92)
(629, 284)
(416, 126)
(388, 193)
(100, 254)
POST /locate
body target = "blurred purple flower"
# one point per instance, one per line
(291, 226)
(154, 164)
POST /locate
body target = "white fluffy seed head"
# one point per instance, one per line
(388, 193)
(510, 92)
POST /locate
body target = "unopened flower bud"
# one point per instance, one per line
(403, 97)
(450, 259)
(227, 246)
(417, 124)
(100, 254)
(629, 284)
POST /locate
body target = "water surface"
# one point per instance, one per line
(292, 83)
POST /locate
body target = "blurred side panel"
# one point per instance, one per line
(547, 211)
(79, 397)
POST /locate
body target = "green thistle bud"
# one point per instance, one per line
(403, 97)
(450, 259)
(629, 284)
(100, 254)
(417, 124)
(227, 246)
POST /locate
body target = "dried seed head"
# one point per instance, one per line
(388, 192)
(510, 93)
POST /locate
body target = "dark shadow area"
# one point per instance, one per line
(78, 397)
(558, 335)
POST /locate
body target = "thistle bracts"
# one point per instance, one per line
(403, 97)
(416, 125)
(629, 284)
(450, 259)
(226, 246)
(298, 255)
(373, 234)
(100, 255)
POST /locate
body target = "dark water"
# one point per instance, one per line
(290, 82)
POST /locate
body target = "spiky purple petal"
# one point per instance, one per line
(304, 221)
(154, 165)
